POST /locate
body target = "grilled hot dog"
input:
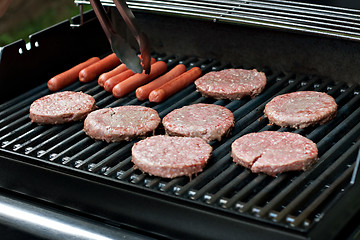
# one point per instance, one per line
(70, 76)
(175, 85)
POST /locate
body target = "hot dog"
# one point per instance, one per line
(116, 71)
(142, 92)
(91, 72)
(175, 85)
(70, 76)
(105, 76)
(111, 82)
(130, 84)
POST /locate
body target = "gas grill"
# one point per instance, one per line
(60, 175)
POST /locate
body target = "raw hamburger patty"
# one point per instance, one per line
(273, 152)
(170, 157)
(207, 121)
(301, 109)
(61, 107)
(121, 123)
(231, 83)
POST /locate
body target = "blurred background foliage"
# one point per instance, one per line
(23, 17)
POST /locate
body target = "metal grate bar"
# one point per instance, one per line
(104, 164)
(251, 203)
(336, 133)
(315, 185)
(263, 194)
(118, 166)
(305, 214)
(214, 184)
(59, 141)
(282, 200)
(245, 191)
(213, 170)
(199, 193)
(229, 186)
(103, 150)
(44, 139)
(240, 111)
(22, 101)
(345, 110)
(329, 156)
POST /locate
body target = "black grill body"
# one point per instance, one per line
(61, 166)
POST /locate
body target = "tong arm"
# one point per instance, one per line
(140, 37)
(102, 17)
(119, 45)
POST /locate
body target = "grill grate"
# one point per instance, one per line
(295, 199)
(290, 15)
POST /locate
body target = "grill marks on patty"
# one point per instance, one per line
(231, 83)
(61, 107)
(121, 123)
(301, 109)
(207, 121)
(274, 152)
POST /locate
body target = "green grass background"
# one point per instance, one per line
(47, 18)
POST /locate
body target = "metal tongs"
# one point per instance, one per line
(119, 45)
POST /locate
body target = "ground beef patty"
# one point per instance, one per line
(61, 107)
(274, 152)
(207, 121)
(231, 83)
(301, 109)
(170, 157)
(121, 123)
